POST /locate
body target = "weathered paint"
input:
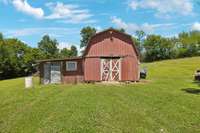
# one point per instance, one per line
(111, 43)
(130, 69)
(73, 76)
(66, 76)
(92, 69)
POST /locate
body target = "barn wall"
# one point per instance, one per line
(73, 76)
(111, 45)
(129, 69)
(92, 70)
(73, 79)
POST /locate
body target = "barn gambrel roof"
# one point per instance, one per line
(112, 30)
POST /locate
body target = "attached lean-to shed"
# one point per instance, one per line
(109, 56)
(69, 70)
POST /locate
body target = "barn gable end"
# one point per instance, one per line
(120, 43)
(111, 46)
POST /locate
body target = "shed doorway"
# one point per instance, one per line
(52, 73)
(110, 69)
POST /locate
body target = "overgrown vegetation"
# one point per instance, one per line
(168, 101)
(157, 47)
(18, 59)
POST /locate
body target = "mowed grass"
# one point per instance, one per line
(168, 101)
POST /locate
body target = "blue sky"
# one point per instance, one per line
(29, 20)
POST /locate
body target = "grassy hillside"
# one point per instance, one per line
(169, 102)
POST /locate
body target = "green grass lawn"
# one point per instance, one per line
(168, 102)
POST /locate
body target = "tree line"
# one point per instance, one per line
(19, 59)
(155, 47)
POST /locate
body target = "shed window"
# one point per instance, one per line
(71, 66)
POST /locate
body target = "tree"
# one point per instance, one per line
(1, 36)
(140, 35)
(158, 48)
(16, 59)
(86, 34)
(65, 52)
(72, 52)
(189, 44)
(137, 43)
(122, 30)
(49, 47)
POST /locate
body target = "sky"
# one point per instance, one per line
(29, 20)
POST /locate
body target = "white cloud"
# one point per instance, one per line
(68, 13)
(164, 7)
(25, 7)
(196, 26)
(52, 31)
(132, 27)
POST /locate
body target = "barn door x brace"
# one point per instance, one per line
(111, 69)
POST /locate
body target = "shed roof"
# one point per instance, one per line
(63, 59)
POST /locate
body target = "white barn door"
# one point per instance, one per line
(111, 69)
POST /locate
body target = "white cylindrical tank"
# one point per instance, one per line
(28, 82)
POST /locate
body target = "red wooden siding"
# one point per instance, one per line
(73, 76)
(66, 76)
(107, 44)
(129, 69)
(111, 44)
(92, 69)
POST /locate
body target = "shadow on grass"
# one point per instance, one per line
(192, 90)
(1, 123)
(197, 82)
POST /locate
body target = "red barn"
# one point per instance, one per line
(109, 56)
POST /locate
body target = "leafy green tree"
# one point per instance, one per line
(137, 43)
(1, 36)
(15, 59)
(72, 52)
(65, 52)
(37, 54)
(49, 47)
(158, 48)
(86, 34)
(140, 35)
(189, 44)
(122, 30)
